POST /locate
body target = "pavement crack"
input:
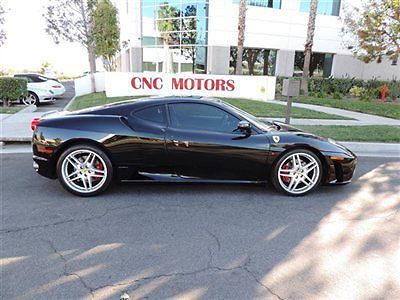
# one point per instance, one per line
(245, 268)
(91, 218)
(215, 238)
(172, 274)
(65, 270)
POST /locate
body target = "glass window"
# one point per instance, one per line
(262, 3)
(180, 34)
(320, 64)
(152, 114)
(326, 7)
(256, 61)
(201, 117)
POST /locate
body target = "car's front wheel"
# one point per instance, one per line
(84, 170)
(297, 172)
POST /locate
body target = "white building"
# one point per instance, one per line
(201, 35)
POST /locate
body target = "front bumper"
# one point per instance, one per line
(341, 167)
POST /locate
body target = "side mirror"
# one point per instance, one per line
(244, 126)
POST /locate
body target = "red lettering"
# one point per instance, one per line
(158, 83)
(198, 81)
(146, 82)
(220, 85)
(177, 84)
(209, 84)
(189, 84)
(230, 85)
(133, 83)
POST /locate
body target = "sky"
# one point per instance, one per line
(28, 45)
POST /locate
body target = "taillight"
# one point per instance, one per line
(56, 86)
(34, 123)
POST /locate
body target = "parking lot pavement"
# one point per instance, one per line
(60, 102)
(200, 241)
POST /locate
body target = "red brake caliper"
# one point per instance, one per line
(286, 178)
(99, 166)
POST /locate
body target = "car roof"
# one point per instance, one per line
(145, 101)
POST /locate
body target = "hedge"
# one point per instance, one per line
(12, 88)
(342, 86)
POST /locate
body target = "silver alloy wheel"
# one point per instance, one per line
(84, 171)
(298, 173)
(30, 99)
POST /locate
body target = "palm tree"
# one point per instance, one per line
(241, 29)
(308, 46)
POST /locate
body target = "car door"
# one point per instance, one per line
(202, 142)
(145, 149)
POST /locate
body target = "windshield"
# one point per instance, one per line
(264, 126)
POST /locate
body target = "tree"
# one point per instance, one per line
(168, 28)
(170, 23)
(374, 30)
(308, 45)
(72, 21)
(45, 67)
(3, 36)
(106, 33)
(190, 35)
(241, 31)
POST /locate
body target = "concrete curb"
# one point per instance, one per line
(29, 109)
(69, 103)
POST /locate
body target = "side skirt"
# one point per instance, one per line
(150, 177)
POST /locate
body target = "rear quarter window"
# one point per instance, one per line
(153, 114)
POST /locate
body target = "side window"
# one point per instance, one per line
(152, 114)
(201, 117)
(25, 77)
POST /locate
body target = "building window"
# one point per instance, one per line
(178, 35)
(256, 61)
(320, 64)
(262, 3)
(326, 7)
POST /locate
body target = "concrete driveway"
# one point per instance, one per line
(200, 241)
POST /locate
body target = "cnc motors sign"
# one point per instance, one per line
(140, 84)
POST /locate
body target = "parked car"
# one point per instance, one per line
(43, 82)
(182, 140)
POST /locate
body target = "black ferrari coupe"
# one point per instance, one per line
(182, 140)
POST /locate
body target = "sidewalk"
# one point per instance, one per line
(17, 127)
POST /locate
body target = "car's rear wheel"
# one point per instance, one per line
(84, 170)
(297, 172)
(30, 99)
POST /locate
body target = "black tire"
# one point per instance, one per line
(105, 159)
(34, 96)
(277, 183)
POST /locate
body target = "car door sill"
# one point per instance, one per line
(152, 177)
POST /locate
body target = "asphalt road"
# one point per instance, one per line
(200, 241)
(60, 102)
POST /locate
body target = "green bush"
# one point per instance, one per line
(12, 89)
(356, 91)
(336, 87)
(393, 89)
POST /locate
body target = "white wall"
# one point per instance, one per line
(284, 28)
(349, 66)
(83, 85)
